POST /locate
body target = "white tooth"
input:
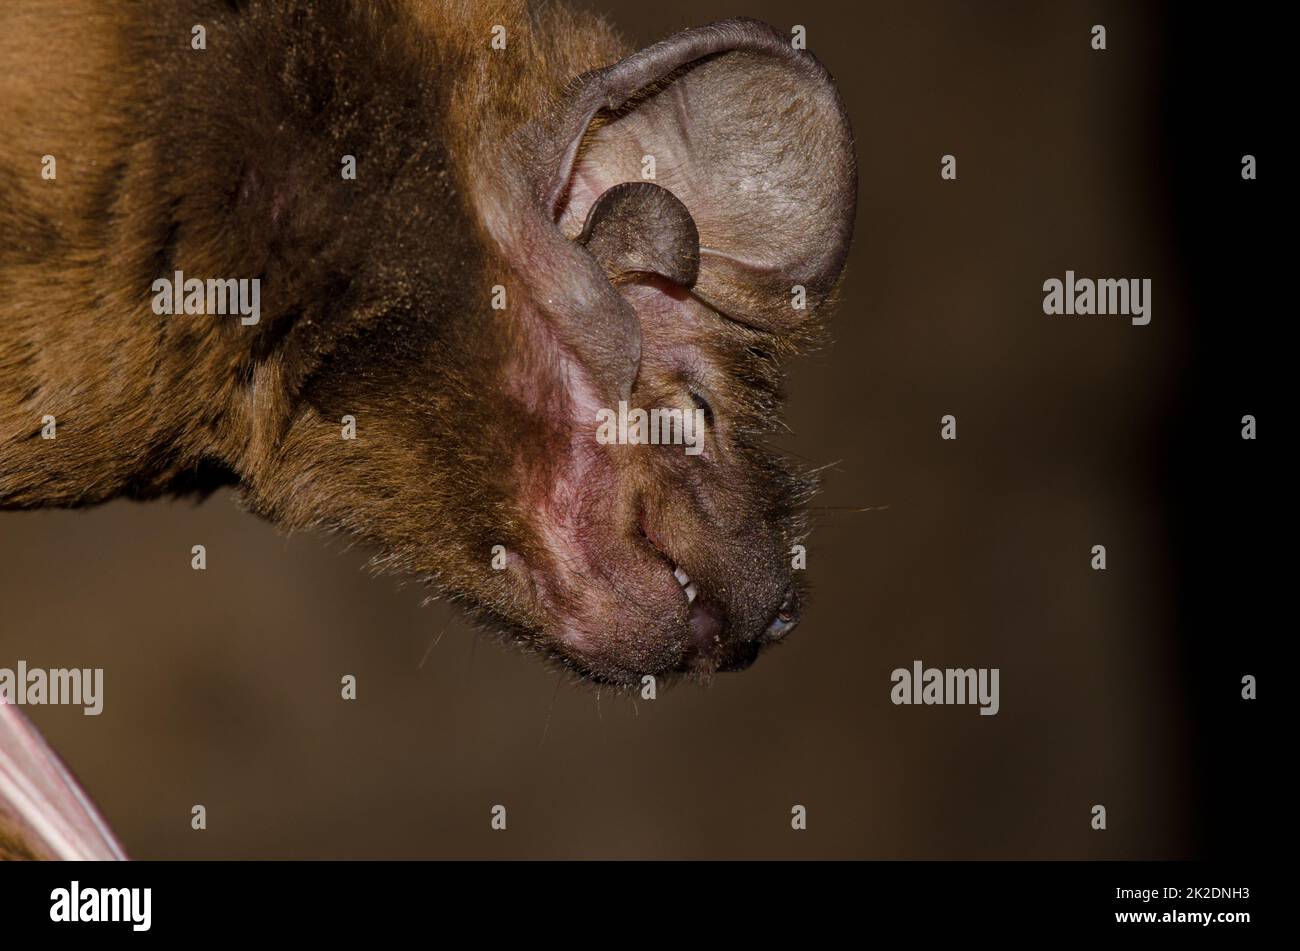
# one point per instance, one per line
(691, 592)
(682, 577)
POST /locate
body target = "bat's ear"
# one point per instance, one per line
(752, 137)
(749, 147)
(742, 150)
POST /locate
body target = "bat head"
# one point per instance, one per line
(575, 448)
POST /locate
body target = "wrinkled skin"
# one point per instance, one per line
(480, 174)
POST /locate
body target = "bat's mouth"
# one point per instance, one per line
(633, 606)
(710, 648)
(706, 618)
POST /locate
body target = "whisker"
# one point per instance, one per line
(551, 709)
(816, 509)
(429, 650)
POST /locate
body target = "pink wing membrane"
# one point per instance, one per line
(50, 813)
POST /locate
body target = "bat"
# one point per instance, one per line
(474, 283)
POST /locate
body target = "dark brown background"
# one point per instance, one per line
(222, 687)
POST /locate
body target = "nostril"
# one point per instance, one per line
(786, 617)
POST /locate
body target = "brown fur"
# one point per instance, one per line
(115, 93)
(14, 845)
(225, 163)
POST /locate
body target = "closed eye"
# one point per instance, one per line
(701, 403)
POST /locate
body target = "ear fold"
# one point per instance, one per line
(641, 228)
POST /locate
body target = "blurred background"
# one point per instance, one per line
(1118, 687)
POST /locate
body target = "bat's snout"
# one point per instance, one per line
(718, 646)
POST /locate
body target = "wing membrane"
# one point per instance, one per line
(44, 813)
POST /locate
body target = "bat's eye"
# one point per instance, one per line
(701, 403)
